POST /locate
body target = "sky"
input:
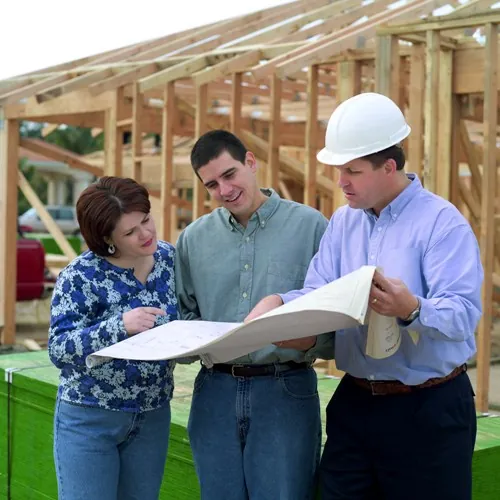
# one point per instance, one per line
(35, 34)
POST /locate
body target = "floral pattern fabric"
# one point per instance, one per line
(89, 300)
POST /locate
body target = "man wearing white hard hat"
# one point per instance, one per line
(402, 427)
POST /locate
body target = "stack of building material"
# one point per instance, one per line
(28, 386)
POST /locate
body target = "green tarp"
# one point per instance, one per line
(32, 393)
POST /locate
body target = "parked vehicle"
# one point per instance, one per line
(64, 216)
(31, 271)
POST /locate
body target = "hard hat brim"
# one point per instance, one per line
(329, 158)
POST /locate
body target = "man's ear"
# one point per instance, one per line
(390, 166)
(251, 161)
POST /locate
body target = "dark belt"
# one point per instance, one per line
(258, 370)
(387, 387)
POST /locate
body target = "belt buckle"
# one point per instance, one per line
(232, 371)
(375, 383)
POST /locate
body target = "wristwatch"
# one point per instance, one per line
(413, 315)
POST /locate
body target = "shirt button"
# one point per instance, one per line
(244, 295)
(246, 266)
(263, 223)
(379, 229)
(372, 256)
(248, 238)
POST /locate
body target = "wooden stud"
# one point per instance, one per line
(311, 138)
(431, 110)
(455, 152)
(167, 160)
(137, 109)
(387, 67)
(445, 138)
(236, 102)
(416, 109)
(348, 86)
(487, 239)
(201, 126)
(273, 167)
(113, 136)
(9, 147)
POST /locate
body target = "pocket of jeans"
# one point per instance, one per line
(300, 384)
(200, 379)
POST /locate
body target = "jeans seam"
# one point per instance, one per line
(58, 461)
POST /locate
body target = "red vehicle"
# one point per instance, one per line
(31, 273)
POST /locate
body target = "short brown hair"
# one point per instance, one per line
(101, 205)
(395, 153)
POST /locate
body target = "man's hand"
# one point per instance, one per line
(303, 344)
(140, 319)
(266, 304)
(391, 297)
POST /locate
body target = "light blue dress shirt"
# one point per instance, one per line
(425, 241)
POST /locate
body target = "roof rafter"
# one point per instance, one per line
(346, 38)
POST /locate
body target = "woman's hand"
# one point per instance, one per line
(140, 319)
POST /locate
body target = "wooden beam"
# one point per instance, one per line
(30, 89)
(289, 166)
(123, 78)
(445, 114)
(431, 108)
(472, 160)
(416, 109)
(206, 32)
(487, 240)
(78, 102)
(455, 152)
(274, 134)
(181, 70)
(311, 165)
(347, 12)
(68, 86)
(9, 147)
(167, 160)
(57, 153)
(345, 38)
(201, 126)
(284, 25)
(137, 112)
(236, 64)
(387, 67)
(442, 24)
(44, 215)
(114, 136)
(236, 101)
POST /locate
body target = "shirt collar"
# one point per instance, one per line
(263, 213)
(399, 203)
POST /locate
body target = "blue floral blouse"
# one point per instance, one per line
(89, 299)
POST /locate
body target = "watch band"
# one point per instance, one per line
(414, 314)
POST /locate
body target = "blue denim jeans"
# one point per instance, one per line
(256, 438)
(109, 455)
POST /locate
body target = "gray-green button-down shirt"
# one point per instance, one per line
(223, 269)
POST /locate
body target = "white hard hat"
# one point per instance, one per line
(362, 125)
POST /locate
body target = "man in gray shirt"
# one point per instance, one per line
(254, 427)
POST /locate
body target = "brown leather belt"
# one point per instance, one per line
(257, 370)
(388, 387)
